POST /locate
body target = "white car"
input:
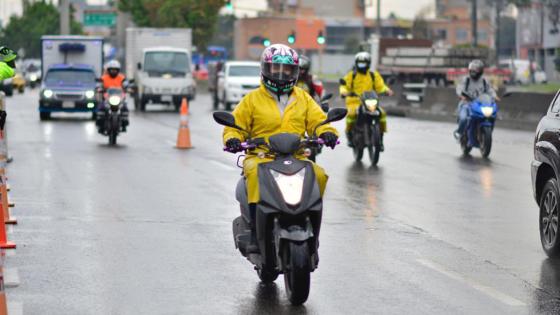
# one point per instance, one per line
(237, 79)
(521, 72)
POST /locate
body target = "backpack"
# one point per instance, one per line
(483, 83)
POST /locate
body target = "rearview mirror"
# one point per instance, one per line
(335, 114)
(226, 119)
(326, 97)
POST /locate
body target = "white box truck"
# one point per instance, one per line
(70, 67)
(159, 59)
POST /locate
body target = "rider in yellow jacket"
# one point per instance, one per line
(7, 70)
(277, 106)
(358, 81)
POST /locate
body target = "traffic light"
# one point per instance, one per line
(320, 38)
(229, 5)
(292, 37)
(266, 42)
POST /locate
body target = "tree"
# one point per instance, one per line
(38, 19)
(420, 26)
(201, 16)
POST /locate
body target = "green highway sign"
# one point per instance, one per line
(100, 18)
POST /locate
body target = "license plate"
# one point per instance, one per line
(413, 98)
(68, 104)
(166, 98)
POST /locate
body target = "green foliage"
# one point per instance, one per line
(201, 16)
(38, 19)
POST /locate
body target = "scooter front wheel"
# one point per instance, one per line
(358, 153)
(297, 277)
(465, 146)
(266, 275)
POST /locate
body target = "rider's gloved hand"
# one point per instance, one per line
(329, 138)
(234, 145)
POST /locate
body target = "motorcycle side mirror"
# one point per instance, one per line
(131, 81)
(335, 114)
(226, 119)
(342, 82)
(326, 97)
(325, 107)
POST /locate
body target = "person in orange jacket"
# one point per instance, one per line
(112, 78)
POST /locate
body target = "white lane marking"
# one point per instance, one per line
(223, 165)
(493, 293)
(15, 308)
(11, 277)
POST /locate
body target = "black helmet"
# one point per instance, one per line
(304, 63)
(476, 69)
(362, 61)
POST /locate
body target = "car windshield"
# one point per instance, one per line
(485, 99)
(244, 71)
(159, 63)
(70, 77)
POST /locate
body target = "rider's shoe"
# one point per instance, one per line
(349, 137)
(456, 135)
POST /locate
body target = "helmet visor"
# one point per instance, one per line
(281, 71)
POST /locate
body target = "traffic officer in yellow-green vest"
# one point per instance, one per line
(358, 81)
(7, 70)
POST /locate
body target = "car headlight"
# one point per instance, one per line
(90, 94)
(114, 100)
(48, 93)
(371, 104)
(33, 77)
(291, 186)
(487, 111)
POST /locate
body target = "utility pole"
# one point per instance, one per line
(379, 18)
(64, 17)
(499, 5)
(474, 26)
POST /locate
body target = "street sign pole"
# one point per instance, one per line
(64, 17)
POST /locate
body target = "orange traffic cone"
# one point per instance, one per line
(4, 204)
(4, 243)
(184, 136)
(3, 302)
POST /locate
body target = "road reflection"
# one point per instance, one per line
(365, 184)
(484, 169)
(547, 297)
(267, 301)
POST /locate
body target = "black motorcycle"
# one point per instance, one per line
(312, 151)
(112, 121)
(288, 216)
(366, 133)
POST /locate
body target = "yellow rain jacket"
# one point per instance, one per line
(359, 83)
(259, 114)
(6, 71)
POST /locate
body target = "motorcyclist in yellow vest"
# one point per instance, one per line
(358, 81)
(276, 106)
(7, 70)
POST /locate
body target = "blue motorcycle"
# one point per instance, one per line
(478, 133)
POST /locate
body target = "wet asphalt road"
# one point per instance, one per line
(146, 229)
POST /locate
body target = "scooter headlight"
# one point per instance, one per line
(487, 111)
(114, 100)
(90, 94)
(291, 186)
(33, 77)
(371, 104)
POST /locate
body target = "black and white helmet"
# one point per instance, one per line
(362, 61)
(476, 69)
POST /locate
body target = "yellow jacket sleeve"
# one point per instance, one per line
(379, 83)
(243, 114)
(315, 116)
(6, 71)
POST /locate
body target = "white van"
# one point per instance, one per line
(521, 73)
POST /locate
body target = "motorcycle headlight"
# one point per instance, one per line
(33, 77)
(487, 111)
(114, 100)
(291, 186)
(48, 93)
(90, 94)
(371, 105)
